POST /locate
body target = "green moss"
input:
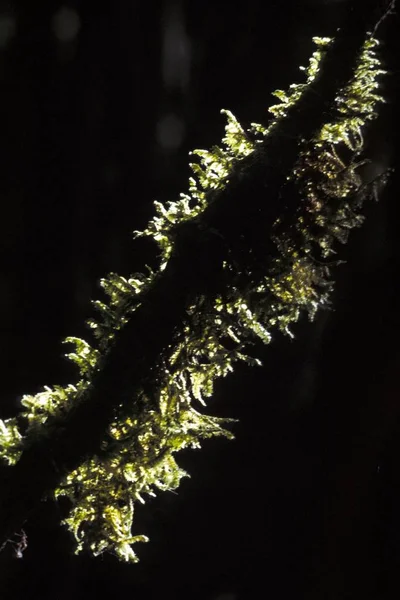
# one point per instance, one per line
(137, 454)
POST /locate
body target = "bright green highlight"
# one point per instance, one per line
(138, 451)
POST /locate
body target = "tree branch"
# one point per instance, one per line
(243, 214)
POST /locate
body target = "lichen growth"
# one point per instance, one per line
(137, 454)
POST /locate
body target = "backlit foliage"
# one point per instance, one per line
(293, 95)
(137, 457)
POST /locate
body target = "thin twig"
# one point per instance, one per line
(388, 11)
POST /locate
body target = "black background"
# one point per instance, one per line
(100, 105)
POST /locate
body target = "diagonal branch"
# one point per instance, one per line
(243, 214)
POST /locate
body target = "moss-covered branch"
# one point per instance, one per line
(243, 252)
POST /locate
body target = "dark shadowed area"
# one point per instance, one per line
(100, 105)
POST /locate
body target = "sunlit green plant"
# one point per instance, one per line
(137, 457)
